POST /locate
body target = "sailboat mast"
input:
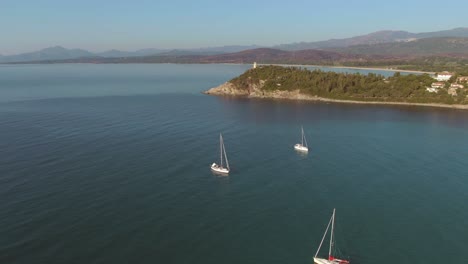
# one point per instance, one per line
(302, 137)
(225, 157)
(331, 234)
(221, 149)
(305, 140)
(323, 238)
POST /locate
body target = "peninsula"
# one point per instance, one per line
(302, 84)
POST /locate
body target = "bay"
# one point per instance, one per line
(110, 164)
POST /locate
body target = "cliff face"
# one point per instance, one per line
(227, 88)
(256, 91)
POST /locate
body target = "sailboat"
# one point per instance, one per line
(302, 147)
(220, 168)
(331, 259)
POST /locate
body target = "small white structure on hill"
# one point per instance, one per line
(438, 85)
(444, 76)
(255, 65)
(435, 87)
(456, 86)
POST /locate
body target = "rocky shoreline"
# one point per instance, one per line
(255, 91)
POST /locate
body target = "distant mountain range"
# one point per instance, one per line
(269, 55)
(57, 53)
(263, 55)
(381, 44)
(61, 53)
(378, 37)
(442, 46)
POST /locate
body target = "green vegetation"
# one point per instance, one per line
(372, 87)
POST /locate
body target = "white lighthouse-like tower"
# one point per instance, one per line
(255, 65)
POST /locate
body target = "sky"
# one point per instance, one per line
(99, 25)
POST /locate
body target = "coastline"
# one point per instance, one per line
(454, 106)
(228, 89)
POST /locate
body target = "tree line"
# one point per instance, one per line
(370, 87)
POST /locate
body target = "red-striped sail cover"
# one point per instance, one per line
(341, 261)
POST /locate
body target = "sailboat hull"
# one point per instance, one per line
(301, 148)
(216, 168)
(326, 261)
(322, 261)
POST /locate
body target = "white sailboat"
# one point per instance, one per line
(301, 146)
(220, 168)
(331, 259)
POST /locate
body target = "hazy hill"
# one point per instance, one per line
(174, 52)
(223, 49)
(118, 53)
(52, 53)
(177, 52)
(268, 55)
(261, 55)
(461, 32)
(444, 46)
(61, 53)
(374, 38)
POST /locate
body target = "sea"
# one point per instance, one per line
(110, 163)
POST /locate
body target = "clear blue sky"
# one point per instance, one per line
(98, 25)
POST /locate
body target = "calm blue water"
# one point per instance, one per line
(110, 164)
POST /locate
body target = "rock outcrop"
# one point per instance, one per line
(256, 91)
(228, 88)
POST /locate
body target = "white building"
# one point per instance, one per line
(444, 76)
(255, 65)
(435, 87)
(456, 86)
(438, 85)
